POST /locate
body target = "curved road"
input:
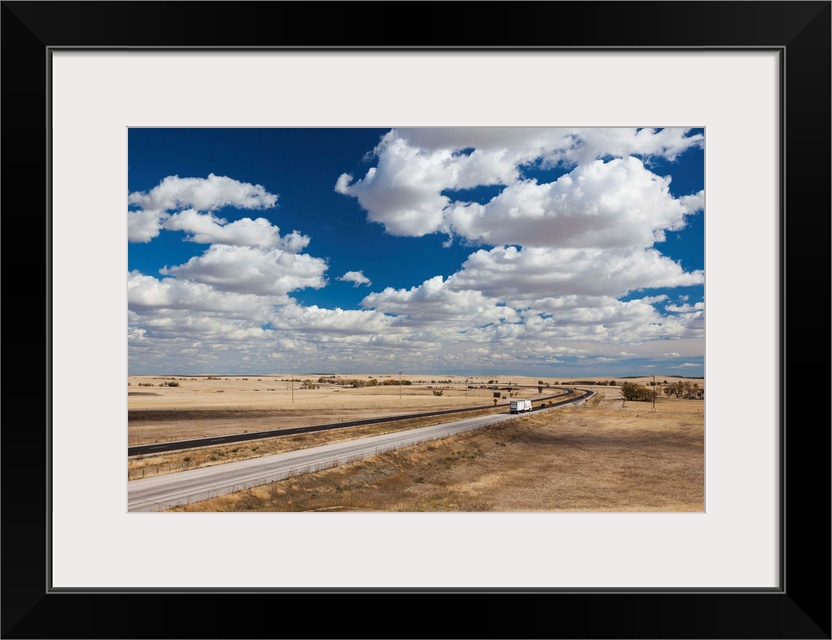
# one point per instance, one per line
(165, 491)
(210, 441)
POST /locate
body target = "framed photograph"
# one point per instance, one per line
(96, 94)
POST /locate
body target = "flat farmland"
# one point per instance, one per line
(212, 406)
(608, 455)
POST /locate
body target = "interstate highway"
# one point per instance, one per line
(184, 487)
(176, 445)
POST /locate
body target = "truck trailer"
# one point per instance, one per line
(519, 406)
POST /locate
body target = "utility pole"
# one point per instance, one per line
(400, 385)
(654, 393)
(292, 376)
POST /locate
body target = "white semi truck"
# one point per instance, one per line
(519, 406)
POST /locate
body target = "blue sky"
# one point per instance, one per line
(522, 251)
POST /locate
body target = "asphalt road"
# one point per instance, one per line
(162, 492)
(210, 441)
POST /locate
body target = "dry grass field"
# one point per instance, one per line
(202, 407)
(608, 455)
(589, 459)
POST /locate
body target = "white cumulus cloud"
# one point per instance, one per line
(356, 277)
(686, 308)
(150, 212)
(143, 226)
(330, 322)
(209, 229)
(434, 302)
(203, 194)
(269, 272)
(146, 293)
(535, 272)
(604, 204)
(406, 190)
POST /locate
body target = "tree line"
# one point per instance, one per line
(683, 389)
(356, 383)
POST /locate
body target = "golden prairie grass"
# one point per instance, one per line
(213, 406)
(278, 392)
(606, 456)
(203, 407)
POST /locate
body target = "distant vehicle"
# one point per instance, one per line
(518, 406)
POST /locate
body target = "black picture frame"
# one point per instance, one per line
(799, 608)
